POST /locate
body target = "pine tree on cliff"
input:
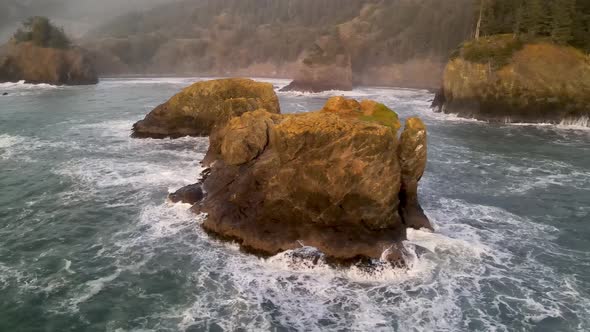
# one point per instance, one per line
(481, 24)
(562, 20)
(534, 20)
(518, 18)
(581, 33)
(41, 32)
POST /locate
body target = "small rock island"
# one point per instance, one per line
(527, 63)
(502, 79)
(339, 179)
(42, 53)
(197, 109)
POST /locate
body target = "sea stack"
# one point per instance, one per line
(503, 79)
(338, 179)
(33, 64)
(196, 110)
(42, 53)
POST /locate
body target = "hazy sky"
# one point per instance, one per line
(77, 16)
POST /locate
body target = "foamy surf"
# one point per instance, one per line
(87, 231)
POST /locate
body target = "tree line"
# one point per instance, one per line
(562, 21)
(42, 32)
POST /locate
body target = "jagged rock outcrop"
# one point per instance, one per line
(500, 79)
(338, 179)
(34, 64)
(326, 66)
(203, 105)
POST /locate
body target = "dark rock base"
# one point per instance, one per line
(343, 245)
(315, 87)
(497, 111)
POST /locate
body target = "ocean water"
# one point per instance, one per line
(88, 241)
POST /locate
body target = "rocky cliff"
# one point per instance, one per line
(199, 108)
(34, 64)
(339, 179)
(502, 79)
(325, 66)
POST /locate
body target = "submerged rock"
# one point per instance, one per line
(34, 64)
(203, 105)
(501, 79)
(336, 179)
(189, 195)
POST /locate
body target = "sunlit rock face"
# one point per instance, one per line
(203, 105)
(338, 179)
(500, 79)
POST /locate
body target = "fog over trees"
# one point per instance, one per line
(77, 16)
(222, 37)
(198, 35)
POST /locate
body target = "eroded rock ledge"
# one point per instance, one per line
(338, 179)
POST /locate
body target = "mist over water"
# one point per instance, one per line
(88, 241)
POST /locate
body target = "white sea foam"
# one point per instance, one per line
(22, 148)
(115, 82)
(21, 88)
(103, 173)
(67, 266)
(91, 288)
(9, 143)
(22, 85)
(462, 262)
(576, 123)
(452, 275)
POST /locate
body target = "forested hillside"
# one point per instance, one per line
(388, 40)
(562, 21)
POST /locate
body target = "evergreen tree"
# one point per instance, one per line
(488, 20)
(518, 18)
(41, 32)
(534, 18)
(562, 20)
(581, 27)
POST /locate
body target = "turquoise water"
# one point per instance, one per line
(89, 243)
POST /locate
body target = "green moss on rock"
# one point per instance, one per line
(203, 105)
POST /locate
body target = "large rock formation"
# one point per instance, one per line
(338, 179)
(34, 64)
(203, 105)
(501, 79)
(326, 66)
